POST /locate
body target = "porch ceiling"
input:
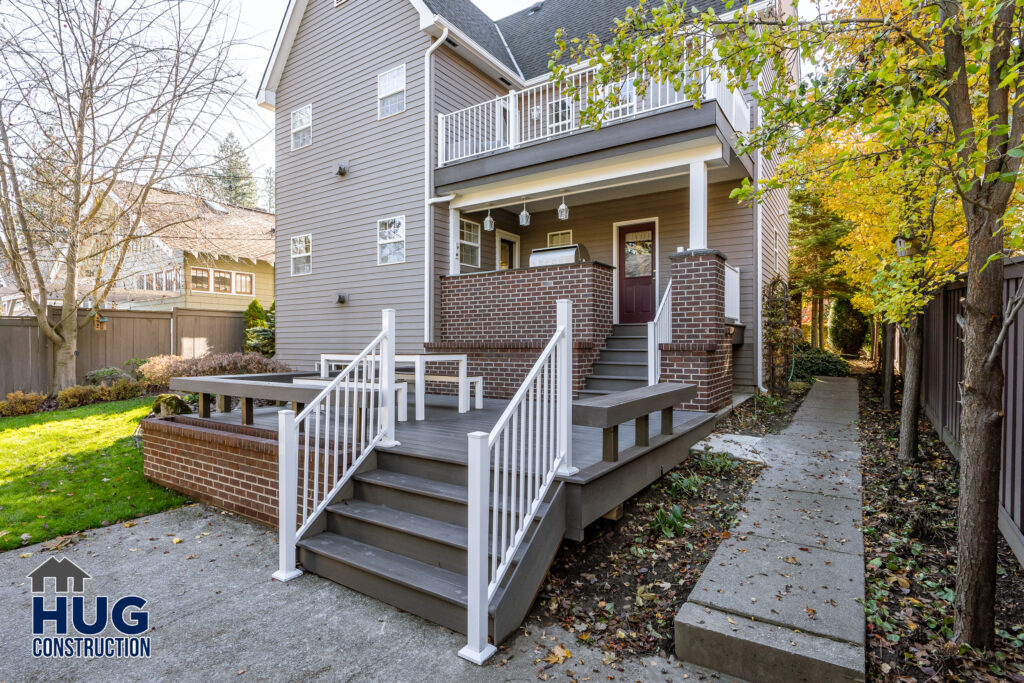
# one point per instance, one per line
(599, 180)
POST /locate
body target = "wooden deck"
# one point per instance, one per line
(596, 489)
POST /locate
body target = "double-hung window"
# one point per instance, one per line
(562, 238)
(469, 243)
(391, 240)
(302, 127)
(302, 254)
(391, 92)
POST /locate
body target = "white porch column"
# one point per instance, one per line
(698, 205)
(453, 241)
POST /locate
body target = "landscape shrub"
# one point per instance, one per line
(670, 522)
(847, 327)
(81, 395)
(260, 338)
(159, 370)
(106, 376)
(132, 365)
(124, 389)
(809, 362)
(255, 316)
(21, 403)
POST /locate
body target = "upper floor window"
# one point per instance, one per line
(222, 281)
(562, 238)
(391, 92)
(469, 243)
(391, 240)
(243, 283)
(302, 254)
(302, 127)
(200, 279)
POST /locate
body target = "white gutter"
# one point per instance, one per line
(428, 191)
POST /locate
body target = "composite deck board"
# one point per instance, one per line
(443, 433)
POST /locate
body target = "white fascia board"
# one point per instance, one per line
(279, 55)
(673, 159)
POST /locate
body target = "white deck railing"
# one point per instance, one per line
(546, 111)
(331, 437)
(511, 470)
(732, 293)
(659, 331)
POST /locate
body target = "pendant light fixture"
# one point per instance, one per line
(524, 217)
(563, 210)
(489, 222)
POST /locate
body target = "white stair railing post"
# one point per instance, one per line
(513, 119)
(652, 353)
(563, 319)
(442, 137)
(287, 493)
(387, 378)
(477, 649)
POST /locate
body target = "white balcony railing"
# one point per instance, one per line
(545, 111)
(732, 293)
(511, 470)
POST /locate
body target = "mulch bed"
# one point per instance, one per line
(764, 414)
(622, 586)
(910, 556)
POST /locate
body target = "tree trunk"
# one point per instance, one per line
(888, 361)
(65, 357)
(814, 321)
(910, 408)
(981, 425)
(821, 321)
(874, 340)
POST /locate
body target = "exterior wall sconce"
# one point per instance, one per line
(342, 299)
(563, 210)
(524, 217)
(489, 222)
(341, 169)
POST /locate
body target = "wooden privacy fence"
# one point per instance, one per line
(943, 371)
(27, 356)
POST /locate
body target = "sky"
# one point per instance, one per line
(258, 24)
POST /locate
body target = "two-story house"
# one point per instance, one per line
(427, 163)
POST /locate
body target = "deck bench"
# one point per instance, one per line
(401, 394)
(476, 384)
(611, 410)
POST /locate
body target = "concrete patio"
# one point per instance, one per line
(215, 614)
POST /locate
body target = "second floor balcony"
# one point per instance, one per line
(547, 111)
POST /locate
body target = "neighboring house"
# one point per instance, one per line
(404, 162)
(199, 254)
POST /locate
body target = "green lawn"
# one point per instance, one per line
(75, 469)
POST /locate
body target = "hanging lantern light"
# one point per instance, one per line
(524, 217)
(489, 222)
(563, 210)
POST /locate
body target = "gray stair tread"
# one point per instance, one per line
(628, 336)
(417, 525)
(626, 363)
(408, 482)
(392, 566)
(625, 377)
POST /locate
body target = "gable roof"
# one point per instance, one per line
(519, 43)
(530, 33)
(201, 227)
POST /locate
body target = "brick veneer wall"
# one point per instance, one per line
(700, 352)
(502, 320)
(230, 466)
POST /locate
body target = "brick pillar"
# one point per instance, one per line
(700, 352)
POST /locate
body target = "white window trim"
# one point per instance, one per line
(380, 241)
(292, 257)
(559, 232)
(478, 244)
(500, 235)
(293, 129)
(209, 280)
(382, 95)
(620, 225)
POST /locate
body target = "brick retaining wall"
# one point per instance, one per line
(502, 321)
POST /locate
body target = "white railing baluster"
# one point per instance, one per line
(366, 383)
(526, 449)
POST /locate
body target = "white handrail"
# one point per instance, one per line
(659, 331)
(358, 411)
(511, 471)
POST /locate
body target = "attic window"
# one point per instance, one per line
(302, 127)
(214, 206)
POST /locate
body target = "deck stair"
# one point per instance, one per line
(398, 532)
(622, 363)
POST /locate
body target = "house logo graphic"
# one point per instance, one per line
(115, 629)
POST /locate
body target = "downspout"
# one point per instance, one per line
(428, 190)
(759, 275)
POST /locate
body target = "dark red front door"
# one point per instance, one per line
(637, 295)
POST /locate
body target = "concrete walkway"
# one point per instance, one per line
(215, 615)
(781, 600)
